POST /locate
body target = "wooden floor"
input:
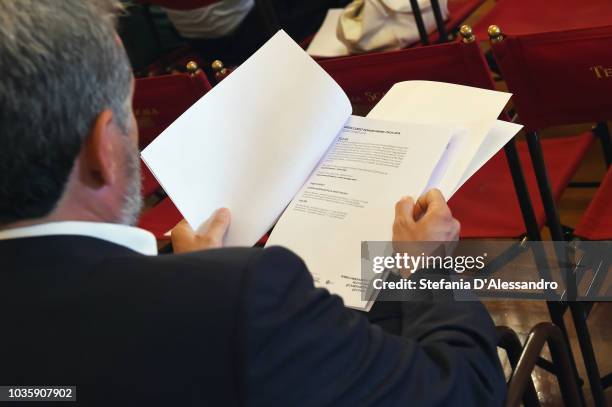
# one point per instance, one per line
(523, 315)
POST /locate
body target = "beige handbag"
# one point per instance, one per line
(377, 25)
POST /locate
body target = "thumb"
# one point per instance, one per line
(182, 229)
(216, 226)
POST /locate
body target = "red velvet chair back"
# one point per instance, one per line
(486, 205)
(558, 78)
(160, 100)
(596, 224)
(520, 17)
(366, 78)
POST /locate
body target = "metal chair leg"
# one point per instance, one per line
(576, 309)
(539, 166)
(268, 15)
(556, 311)
(588, 355)
(602, 131)
(508, 340)
(550, 208)
(606, 381)
(522, 193)
(435, 6)
(418, 19)
(541, 334)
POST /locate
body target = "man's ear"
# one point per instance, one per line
(98, 160)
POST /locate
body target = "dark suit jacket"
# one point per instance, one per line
(222, 328)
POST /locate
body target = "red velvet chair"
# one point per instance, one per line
(149, 184)
(558, 79)
(561, 78)
(596, 223)
(520, 17)
(158, 101)
(487, 204)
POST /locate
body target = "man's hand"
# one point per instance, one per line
(427, 220)
(208, 236)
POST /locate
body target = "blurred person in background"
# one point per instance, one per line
(232, 30)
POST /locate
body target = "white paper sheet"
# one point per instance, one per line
(325, 43)
(278, 110)
(427, 102)
(496, 139)
(351, 196)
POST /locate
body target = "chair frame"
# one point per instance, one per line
(268, 16)
(578, 310)
(418, 18)
(519, 386)
(508, 340)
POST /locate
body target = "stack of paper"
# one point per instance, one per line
(276, 144)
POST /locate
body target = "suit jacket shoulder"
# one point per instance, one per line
(126, 329)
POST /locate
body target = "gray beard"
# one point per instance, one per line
(132, 198)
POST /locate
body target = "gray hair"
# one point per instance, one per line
(61, 65)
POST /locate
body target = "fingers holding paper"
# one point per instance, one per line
(209, 235)
(427, 219)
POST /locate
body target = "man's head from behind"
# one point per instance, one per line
(68, 138)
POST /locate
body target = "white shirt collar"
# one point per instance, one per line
(131, 237)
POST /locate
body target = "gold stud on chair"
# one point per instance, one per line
(219, 69)
(495, 33)
(466, 34)
(192, 67)
(217, 65)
